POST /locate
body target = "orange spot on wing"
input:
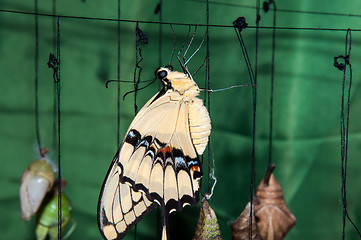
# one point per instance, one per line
(165, 150)
(195, 169)
(168, 149)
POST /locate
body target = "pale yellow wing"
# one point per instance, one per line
(119, 207)
(156, 163)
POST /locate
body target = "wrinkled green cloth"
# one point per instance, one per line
(306, 114)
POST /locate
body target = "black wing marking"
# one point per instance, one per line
(164, 174)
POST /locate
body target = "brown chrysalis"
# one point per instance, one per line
(240, 227)
(207, 227)
(273, 217)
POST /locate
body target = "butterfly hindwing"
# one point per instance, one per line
(120, 207)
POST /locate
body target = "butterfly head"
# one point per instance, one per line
(176, 81)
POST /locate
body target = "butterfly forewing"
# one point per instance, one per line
(165, 145)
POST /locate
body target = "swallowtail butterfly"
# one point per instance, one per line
(157, 162)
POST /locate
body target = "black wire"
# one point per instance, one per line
(174, 23)
(54, 140)
(137, 68)
(344, 133)
(54, 25)
(254, 91)
(159, 11)
(136, 83)
(160, 37)
(272, 82)
(36, 66)
(239, 25)
(58, 91)
(55, 128)
(343, 179)
(118, 78)
(54, 64)
(137, 73)
(245, 55)
(280, 10)
(208, 82)
(207, 97)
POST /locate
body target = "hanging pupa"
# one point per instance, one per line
(240, 227)
(47, 218)
(274, 219)
(207, 227)
(36, 182)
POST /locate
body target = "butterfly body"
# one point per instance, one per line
(157, 162)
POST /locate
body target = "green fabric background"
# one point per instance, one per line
(307, 107)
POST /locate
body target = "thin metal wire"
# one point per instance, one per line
(36, 87)
(137, 69)
(58, 91)
(239, 25)
(272, 82)
(137, 74)
(118, 76)
(254, 91)
(280, 10)
(55, 103)
(245, 55)
(160, 35)
(171, 55)
(345, 120)
(159, 11)
(207, 101)
(175, 23)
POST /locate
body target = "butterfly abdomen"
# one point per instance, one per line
(199, 124)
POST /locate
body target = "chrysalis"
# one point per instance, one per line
(274, 219)
(36, 181)
(240, 227)
(207, 227)
(47, 222)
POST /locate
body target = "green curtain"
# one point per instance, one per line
(306, 114)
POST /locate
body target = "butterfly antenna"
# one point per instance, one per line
(204, 60)
(139, 88)
(190, 43)
(171, 56)
(184, 43)
(199, 47)
(184, 67)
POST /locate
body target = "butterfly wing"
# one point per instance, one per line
(119, 206)
(156, 163)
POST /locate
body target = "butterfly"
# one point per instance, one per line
(157, 162)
